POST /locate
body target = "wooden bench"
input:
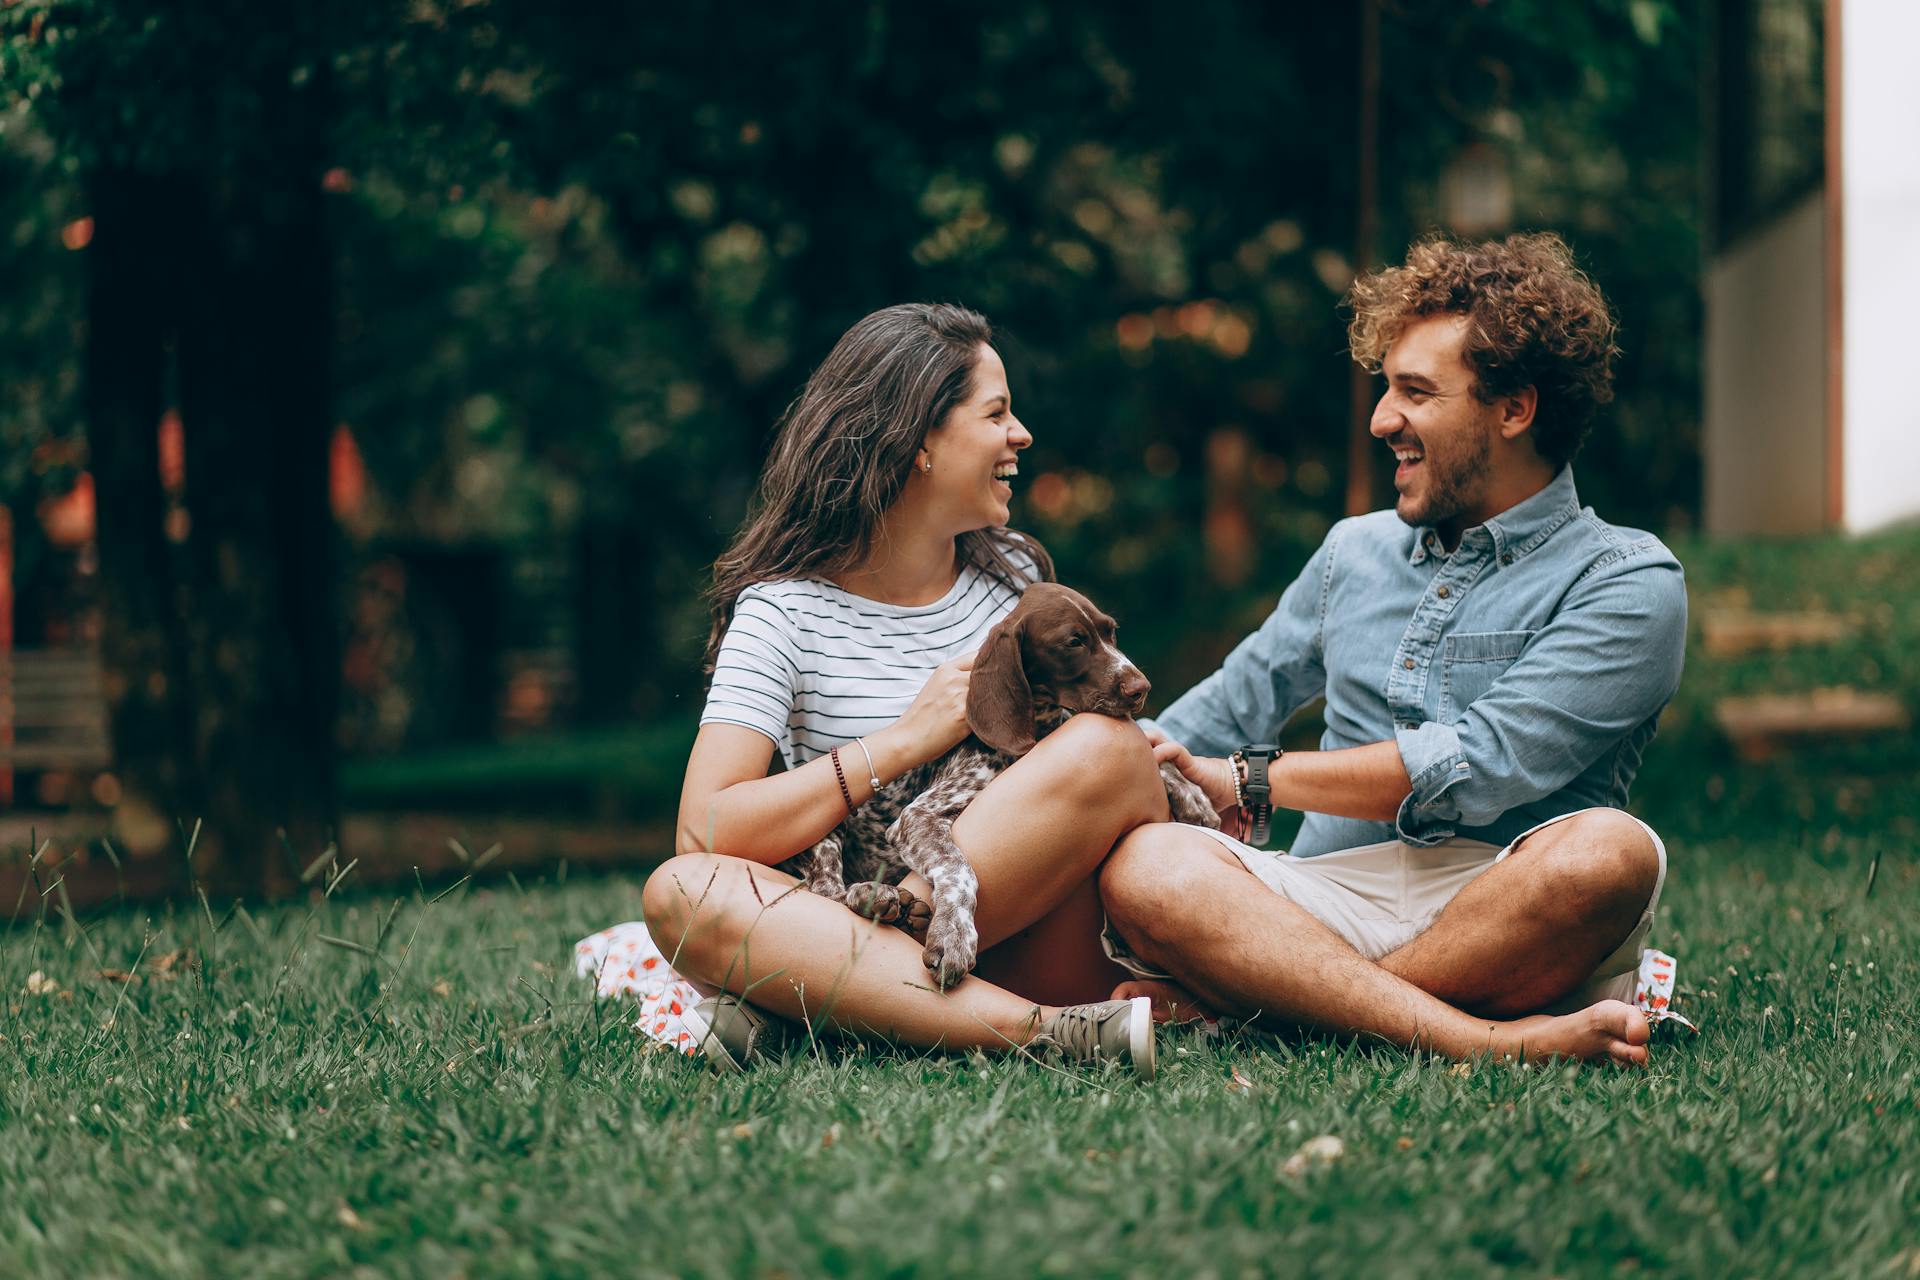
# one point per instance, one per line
(53, 714)
(1730, 633)
(1759, 723)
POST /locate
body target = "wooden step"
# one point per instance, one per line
(1729, 633)
(1758, 723)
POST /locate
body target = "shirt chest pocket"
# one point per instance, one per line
(1471, 662)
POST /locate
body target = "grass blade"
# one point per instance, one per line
(313, 868)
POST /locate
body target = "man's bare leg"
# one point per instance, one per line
(1171, 1002)
(1187, 906)
(1531, 928)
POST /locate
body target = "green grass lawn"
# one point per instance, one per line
(401, 1085)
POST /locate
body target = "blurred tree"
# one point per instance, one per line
(559, 268)
(199, 135)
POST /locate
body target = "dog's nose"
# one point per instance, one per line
(1134, 687)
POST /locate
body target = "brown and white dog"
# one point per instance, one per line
(1052, 656)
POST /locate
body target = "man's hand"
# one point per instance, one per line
(1212, 776)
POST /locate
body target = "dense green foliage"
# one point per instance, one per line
(584, 259)
(282, 1102)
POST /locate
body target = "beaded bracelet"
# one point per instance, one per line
(841, 773)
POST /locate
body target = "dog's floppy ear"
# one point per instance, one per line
(999, 700)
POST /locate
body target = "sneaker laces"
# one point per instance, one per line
(1076, 1030)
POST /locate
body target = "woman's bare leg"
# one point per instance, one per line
(1034, 837)
(1042, 828)
(749, 928)
(1057, 959)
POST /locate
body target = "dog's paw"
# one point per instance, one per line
(1186, 801)
(953, 945)
(918, 918)
(879, 902)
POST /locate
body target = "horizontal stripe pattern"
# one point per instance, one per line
(813, 667)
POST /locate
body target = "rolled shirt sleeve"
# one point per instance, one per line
(1268, 676)
(1606, 664)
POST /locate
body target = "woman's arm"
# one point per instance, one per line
(729, 805)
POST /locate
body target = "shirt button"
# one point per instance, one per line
(1408, 664)
(1507, 558)
(1443, 593)
(1430, 541)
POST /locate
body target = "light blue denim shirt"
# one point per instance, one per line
(1521, 675)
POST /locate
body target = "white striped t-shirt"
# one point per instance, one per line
(814, 667)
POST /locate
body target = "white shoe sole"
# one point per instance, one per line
(1140, 1041)
(709, 1044)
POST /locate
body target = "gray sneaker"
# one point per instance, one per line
(732, 1033)
(1111, 1031)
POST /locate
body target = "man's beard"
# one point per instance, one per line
(1452, 486)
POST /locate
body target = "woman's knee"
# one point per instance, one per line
(1105, 756)
(681, 890)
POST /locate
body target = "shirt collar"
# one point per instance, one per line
(1518, 529)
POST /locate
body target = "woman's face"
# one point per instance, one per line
(974, 453)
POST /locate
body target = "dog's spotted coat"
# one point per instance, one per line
(1051, 657)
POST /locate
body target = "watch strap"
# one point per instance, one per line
(1259, 789)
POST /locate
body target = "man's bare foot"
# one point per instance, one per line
(1171, 1002)
(1610, 1031)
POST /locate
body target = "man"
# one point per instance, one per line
(1493, 659)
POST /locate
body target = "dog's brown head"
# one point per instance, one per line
(1055, 650)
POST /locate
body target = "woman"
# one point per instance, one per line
(846, 614)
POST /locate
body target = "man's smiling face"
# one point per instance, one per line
(1441, 435)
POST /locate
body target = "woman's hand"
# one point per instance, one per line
(935, 723)
(1212, 776)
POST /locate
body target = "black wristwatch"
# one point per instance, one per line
(1253, 760)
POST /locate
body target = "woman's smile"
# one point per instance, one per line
(982, 432)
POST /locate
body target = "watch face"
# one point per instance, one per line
(1260, 749)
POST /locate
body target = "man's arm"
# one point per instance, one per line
(1608, 662)
(1367, 782)
(1268, 676)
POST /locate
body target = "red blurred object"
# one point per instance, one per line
(68, 519)
(346, 474)
(173, 453)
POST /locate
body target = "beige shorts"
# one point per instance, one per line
(1381, 896)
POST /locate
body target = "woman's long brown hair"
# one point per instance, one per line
(843, 452)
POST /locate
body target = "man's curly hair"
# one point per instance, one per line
(1533, 319)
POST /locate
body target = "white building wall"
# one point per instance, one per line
(1880, 183)
(1765, 434)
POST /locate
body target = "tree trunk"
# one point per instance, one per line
(222, 655)
(143, 644)
(254, 354)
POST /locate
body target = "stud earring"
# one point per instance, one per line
(927, 465)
